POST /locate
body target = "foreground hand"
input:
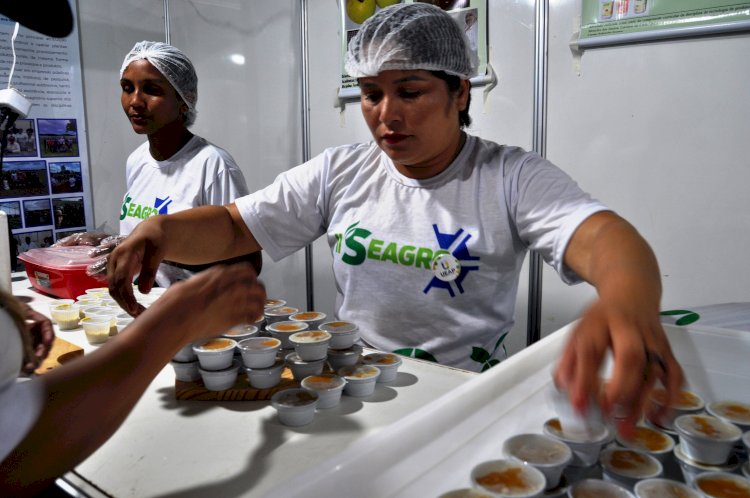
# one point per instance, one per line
(212, 301)
(139, 254)
(39, 328)
(642, 356)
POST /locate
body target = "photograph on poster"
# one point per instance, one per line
(24, 179)
(58, 137)
(68, 212)
(467, 20)
(37, 213)
(33, 240)
(65, 177)
(21, 140)
(12, 210)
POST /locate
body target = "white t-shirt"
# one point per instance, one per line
(20, 402)
(198, 174)
(489, 207)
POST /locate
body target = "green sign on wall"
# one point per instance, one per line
(609, 22)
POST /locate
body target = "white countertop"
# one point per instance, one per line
(206, 448)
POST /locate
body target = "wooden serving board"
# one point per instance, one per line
(62, 351)
(241, 391)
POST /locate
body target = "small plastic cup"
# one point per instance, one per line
(265, 378)
(508, 479)
(388, 363)
(626, 467)
(707, 439)
(652, 441)
(84, 308)
(691, 469)
(733, 412)
(311, 345)
(215, 354)
(274, 303)
(58, 302)
(338, 358)
(295, 407)
(259, 352)
(96, 329)
(547, 454)
(313, 319)
(278, 314)
(343, 334)
(585, 450)
(722, 485)
(109, 314)
(186, 371)
(360, 379)
(282, 330)
(328, 388)
(663, 488)
(220, 380)
(599, 488)
(241, 332)
(571, 420)
(66, 315)
(301, 368)
(123, 320)
(87, 299)
(687, 402)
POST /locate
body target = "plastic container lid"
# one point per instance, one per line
(59, 258)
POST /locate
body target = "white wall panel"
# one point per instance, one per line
(253, 109)
(108, 30)
(659, 131)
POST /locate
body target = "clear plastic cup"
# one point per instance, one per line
(96, 329)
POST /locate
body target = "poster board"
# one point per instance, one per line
(470, 15)
(612, 22)
(44, 184)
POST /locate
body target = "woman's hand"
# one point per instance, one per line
(642, 356)
(138, 254)
(39, 328)
(210, 302)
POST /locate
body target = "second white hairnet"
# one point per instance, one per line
(176, 68)
(407, 37)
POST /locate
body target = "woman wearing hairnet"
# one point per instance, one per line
(175, 169)
(428, 226)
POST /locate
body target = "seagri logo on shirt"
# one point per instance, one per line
(447, 265)
(131, 209)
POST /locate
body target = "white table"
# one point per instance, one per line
(204, 448)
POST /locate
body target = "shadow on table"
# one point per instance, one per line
(273, 434)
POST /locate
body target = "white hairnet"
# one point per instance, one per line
(174, 65)
(410, 36)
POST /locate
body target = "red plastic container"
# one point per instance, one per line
(60, 271)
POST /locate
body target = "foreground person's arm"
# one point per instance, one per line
(200, 235)
(608, 252)
(87, 399)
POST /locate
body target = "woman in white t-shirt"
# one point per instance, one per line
(174, 169)
(428, 226)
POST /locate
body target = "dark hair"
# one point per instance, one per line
(454, 83)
